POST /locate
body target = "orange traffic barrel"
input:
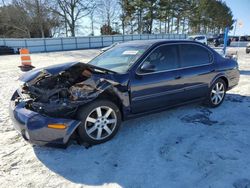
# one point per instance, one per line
(25, 60)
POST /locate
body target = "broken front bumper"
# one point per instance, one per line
(34, 127)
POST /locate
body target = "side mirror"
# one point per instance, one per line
(147, 67)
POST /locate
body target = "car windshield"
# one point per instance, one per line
(119, 58)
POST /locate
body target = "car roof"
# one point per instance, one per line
(157, 41)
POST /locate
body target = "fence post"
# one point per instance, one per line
(25, 42)
(44, 43)
(62, 44)
(4, 42)
(102, 41)
(112, 39)
(89, 43)
(76, 43)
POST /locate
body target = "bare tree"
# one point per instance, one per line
(108, 11)
(15, 21)
(72, 11)
(3, 2)
(43, 18)
(28, 18)
(92, 19)
(39, 10)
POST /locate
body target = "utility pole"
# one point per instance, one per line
(236, 21)
(92, 23)
(225, 40)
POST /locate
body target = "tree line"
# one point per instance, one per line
(45, 18)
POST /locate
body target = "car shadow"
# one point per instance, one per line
(141, 152)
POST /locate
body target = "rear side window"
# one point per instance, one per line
(194, 55)
(163, 58)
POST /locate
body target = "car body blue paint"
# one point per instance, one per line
(138, 94)
(37, 126)
(53, 69)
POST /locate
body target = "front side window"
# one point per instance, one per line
(162, 58)
(120, 58)
(194, 55)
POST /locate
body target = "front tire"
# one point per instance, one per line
(101, 120)
(216, 93)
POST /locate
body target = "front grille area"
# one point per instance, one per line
(22, 95)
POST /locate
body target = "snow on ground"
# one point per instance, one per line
(189, 146)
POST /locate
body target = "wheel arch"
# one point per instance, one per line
(82, 137)
(114, 97)
(108, 94)
(220, 76)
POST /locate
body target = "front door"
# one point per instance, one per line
(156, 88)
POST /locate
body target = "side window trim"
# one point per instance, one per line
(179, 59)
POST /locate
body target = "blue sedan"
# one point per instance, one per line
(89, 101)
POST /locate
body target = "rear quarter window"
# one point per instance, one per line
(194, 55)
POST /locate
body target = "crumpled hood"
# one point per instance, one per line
(53, 69)
(58, 90)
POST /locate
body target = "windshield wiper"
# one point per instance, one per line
(100, 69)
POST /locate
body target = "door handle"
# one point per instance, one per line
(177, 77)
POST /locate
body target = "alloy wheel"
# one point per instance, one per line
(101, 122)
(217, 93)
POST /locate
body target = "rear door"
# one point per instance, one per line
(196, 70)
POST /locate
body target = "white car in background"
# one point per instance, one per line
(248, 48)
(199, 38)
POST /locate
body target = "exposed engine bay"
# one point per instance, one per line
(60, 95)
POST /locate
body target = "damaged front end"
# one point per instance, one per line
(60, 94)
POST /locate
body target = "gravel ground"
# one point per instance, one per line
(190, 146)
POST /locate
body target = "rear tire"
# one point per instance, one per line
(216, 93)
(101, 120)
